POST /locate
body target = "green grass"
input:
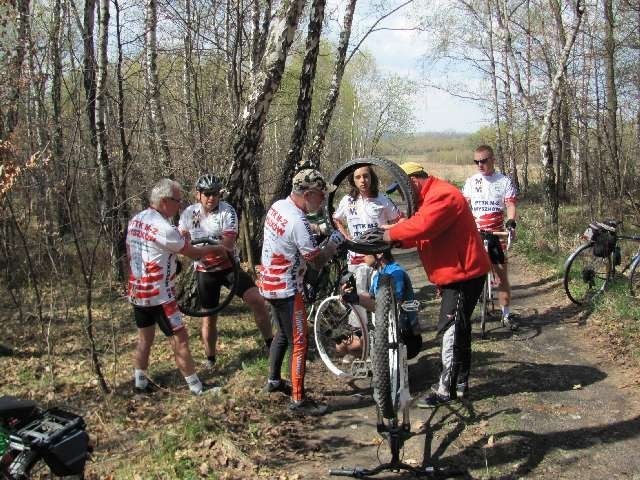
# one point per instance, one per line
(615, 310)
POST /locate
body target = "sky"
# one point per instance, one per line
(400, 52)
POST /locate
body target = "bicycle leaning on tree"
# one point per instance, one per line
(606, 255)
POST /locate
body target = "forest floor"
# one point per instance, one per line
(554, 400)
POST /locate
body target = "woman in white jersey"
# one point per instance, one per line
(363, 208)
(211, 216)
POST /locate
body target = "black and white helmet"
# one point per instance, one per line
(208, 182)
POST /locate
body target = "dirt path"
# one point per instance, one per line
(547, 402)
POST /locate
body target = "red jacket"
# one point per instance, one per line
(445, 233)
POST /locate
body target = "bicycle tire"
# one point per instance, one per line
(634, 278)
(585, 275)
(404, 184)
(484, 306)
(331, 323)
(188, 299)
(385, 358)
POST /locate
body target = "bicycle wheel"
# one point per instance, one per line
(334, 334)
(585, 275)
(484, 305)
(634, 278)
(385, 355)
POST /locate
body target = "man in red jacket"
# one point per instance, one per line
(444, 231)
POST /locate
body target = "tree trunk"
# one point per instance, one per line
(57, 140)
(317, 147)
(249, 136)
(305, 98)
(122, 212)
(10, 110)
(612, 96)
(155, 105)
(494, 88)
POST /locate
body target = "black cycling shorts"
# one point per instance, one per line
(494, 248)
(209, 284)
(157, 314)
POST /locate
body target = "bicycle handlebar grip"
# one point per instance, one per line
(205, 241)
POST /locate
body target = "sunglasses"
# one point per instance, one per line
(482, 161)
(210, 194)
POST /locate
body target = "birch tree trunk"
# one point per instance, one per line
(494, 87)
(305, 98)
(155, 104)
(546, 155)
(106, 179)
(317, 146)
(249, 134)
(612, 95)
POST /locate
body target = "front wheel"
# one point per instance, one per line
(341, 336)
(385, 351)
(585, 275)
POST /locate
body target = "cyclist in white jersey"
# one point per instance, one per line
(288, 245)
(363, 208)
(152, 245)
(212, 217)
(490, 194)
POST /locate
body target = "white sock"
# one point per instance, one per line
(195, 385)
(140, 378)
(505, 311)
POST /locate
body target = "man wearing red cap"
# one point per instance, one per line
(444, 231)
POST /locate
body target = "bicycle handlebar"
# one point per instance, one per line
(210, 240)
(508, 234)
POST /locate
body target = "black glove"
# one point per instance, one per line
(370, 236)
(510, 224)
(351, 297)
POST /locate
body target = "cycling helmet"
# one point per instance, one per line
(208, 182)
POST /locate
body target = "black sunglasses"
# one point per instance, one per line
(482, 161)
(210, 194)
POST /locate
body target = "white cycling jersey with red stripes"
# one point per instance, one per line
(287, 246)
(152, 245)
(488, 196)
(361, 213)
(219, 223)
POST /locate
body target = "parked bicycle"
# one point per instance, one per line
(487, 298)
(595, 264)
(36, 443)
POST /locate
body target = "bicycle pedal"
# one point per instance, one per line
(360, 368)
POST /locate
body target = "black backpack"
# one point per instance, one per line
(604, 237)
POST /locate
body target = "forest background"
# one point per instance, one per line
(101, 98)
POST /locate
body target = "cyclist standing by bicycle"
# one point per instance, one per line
(452, 254)
(489, 194)
(152, 246)
(363, 208)
(288, 246)
(213, 217)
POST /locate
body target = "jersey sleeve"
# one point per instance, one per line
(183, 223)
(169, 238)
(398, 284)
(510, 192)
(304, 239)
(391, 211)
(466, 188)
(230, 222)
(341, 212)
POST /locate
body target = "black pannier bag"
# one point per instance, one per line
(604, 238)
